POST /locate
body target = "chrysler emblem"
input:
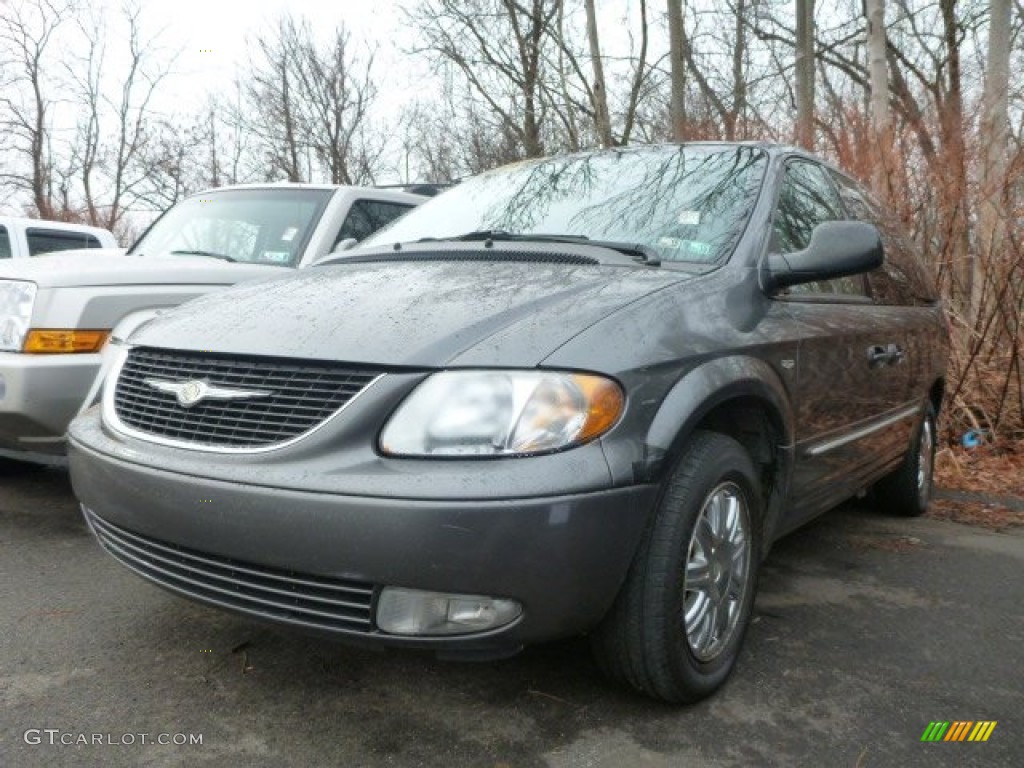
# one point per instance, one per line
(193, 391)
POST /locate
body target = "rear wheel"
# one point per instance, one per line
(678, 623)
(907, 491)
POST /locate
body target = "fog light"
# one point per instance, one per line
(412, 612)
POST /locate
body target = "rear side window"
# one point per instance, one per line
(50, 240)
(903, 278)
(367, 216)
(5, 243)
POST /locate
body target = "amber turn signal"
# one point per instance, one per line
(43, 342)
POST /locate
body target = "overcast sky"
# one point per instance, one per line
(212, 37)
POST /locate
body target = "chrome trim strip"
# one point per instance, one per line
(862, 432)
(110, 419)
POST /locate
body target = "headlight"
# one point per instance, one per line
(16, 301)
(502, 413)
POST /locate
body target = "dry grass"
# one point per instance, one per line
(994, 471)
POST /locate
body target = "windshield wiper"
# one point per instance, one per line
(641, 253)
(211, 254)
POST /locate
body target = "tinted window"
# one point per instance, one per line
(690, 203)
(367, 216)
(903, 278)
(5, 243)
(268, 225)
(859, 205)
(50, 240)
(806, 199)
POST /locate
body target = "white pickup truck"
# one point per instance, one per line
(56, 313)
(21, 237)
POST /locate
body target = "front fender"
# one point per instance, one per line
(700, 392)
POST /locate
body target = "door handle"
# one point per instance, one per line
(878, 355)
(888, 354)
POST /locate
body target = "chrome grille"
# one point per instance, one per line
(303, 395)
(293, 598)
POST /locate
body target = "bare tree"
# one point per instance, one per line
(500, 48)
(185, 155)
(114, 113)
(879, 78)
(308, 107)
(27, 34)
(602, 118)
(993, 211)
(677, 58)
(805, 73)
(270, 107)
(739, 76)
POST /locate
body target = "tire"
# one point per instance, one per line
(907, 491)
(661, 636)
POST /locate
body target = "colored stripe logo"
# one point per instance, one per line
(959, 730)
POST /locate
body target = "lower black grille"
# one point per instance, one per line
(293, 598)
(286, 399)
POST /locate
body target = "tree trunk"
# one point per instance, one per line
(602, 118)
(992, 210)
(805, 73)
(953, 169)
(739, 80)
(880, 118)
(677, 108)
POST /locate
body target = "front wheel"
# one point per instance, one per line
(677, 626)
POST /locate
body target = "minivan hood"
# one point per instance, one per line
(92, 268)
(416, 314)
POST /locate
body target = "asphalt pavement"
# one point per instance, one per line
(867, 629)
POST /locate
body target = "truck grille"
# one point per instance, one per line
(336, 605)
(294, 397)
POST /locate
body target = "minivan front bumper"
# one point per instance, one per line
(318, 561)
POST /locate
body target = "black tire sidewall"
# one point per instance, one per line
(727, 462)
(898, 493)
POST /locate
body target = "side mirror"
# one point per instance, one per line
(344, 245)
(837, 249)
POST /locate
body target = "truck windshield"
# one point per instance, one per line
(685, 203)
(265, 225)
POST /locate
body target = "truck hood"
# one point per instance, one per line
(109, 267)
(414, 314)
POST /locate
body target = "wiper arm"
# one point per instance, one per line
(211, 254)
(502, 235)
(641, 253)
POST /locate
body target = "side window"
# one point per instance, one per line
(5, 243)
(807, 199)
(903, 278)
(859, 205)
(367, 216)
(50, 240)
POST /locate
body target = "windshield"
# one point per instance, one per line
(265, 225)
(687, 203)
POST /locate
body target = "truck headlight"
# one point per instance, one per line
(502, 413)
(17, 298)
